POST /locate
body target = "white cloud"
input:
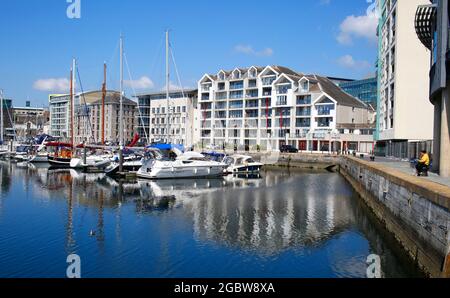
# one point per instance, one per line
(364, 26)
(52, 85)
(142, 83)
(174, 87)
(348, 61)
(249, 50)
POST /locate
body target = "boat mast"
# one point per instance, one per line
(121, 126)
(103, 103)
(72, 100)
(1, 117)
(167, 86)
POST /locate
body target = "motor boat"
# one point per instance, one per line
(187, 165)
(40, 154)
(242, 164)
(92, 161)
(21, 154)
(39, 157)
(214, 156)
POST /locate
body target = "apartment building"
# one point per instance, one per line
(404, 112)
(432, 27)
(8, 123)
(267, 107)
(152, 119)
(88, 117)
(60, 116)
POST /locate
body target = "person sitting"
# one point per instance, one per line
(423, 164)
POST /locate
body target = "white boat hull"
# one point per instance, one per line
(174, 172)
(77, 163)
(38, 159)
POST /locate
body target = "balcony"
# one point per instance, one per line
(304, 100)
(236, 95)
(303, 112)
(252, 94)
(205, 97)
(267, 81)
(281, 100)
(252, 84)
(236, 85)
(251, 104)
(206, 88)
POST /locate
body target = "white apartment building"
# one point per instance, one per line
(88, 117)
(60, 116)
(152, 120)
(272, 106)
(405, 114)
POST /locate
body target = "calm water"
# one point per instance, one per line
(282, 225)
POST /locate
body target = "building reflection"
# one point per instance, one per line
(274, 218)
(267, 213)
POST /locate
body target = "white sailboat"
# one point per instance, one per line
(187, 165)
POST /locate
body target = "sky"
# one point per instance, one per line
(38, 41)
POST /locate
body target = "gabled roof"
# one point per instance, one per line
(342, 98)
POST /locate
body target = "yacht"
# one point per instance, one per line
(187, 165)
(242, 164)
(21, 154)
(38, 157)
(92, 161)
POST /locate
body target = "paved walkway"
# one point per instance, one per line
(405, 167)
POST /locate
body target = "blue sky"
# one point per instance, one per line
(38, 41)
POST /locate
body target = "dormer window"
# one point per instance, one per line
(304, 85)
(252, 73)
(221, 76)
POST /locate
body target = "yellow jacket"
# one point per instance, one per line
(425, 159)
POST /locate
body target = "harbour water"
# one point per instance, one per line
(282, 224)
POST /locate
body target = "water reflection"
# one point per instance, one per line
(266, 216)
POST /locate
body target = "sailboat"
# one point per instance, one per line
(186, 165)
(95, 161)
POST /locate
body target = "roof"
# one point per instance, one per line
(114, 98)
(171, 92)
(342, 98)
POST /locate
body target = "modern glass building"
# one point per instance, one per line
(365, 90)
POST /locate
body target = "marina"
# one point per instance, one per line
(274, 224)
(144, 143)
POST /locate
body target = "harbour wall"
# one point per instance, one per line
(416, 211)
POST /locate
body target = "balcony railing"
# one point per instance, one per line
(281, 100)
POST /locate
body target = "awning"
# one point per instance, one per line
(425, 15)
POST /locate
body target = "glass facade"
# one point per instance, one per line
(364, 90)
